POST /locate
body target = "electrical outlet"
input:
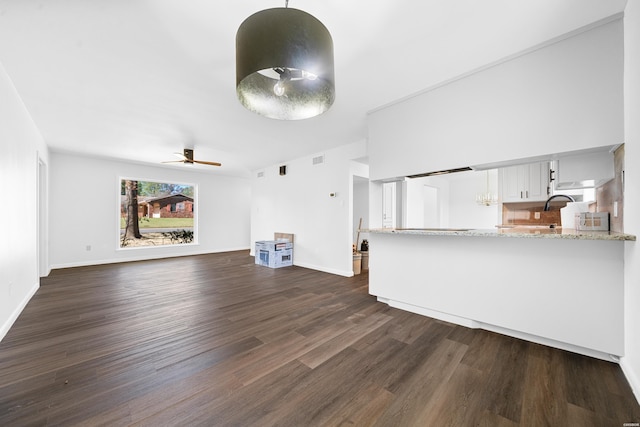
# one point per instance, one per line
(536, 215)
(88, 248)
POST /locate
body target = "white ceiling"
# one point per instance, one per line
(141, 79)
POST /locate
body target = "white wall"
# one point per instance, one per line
(631, 362)
(573, 86)
(20, 147)
(300, 203)
(84, 197)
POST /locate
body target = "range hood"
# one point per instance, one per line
(442, 172)
(587, 170)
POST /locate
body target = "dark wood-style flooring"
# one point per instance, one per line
(215, 340)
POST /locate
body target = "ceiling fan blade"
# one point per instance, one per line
(202, 162)
(187, 157)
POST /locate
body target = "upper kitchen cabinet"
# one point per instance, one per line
(525, 183)
(565, 95)
(584, 170)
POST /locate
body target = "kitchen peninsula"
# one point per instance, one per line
(556, 287)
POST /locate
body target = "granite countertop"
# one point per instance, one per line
(510, 232)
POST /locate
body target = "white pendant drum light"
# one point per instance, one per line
(284, 64)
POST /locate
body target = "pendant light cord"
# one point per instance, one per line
(286, 3)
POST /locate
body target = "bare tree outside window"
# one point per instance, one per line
(155, 213)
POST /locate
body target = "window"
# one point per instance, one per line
(156, 213)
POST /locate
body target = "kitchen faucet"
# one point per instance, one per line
(546, 205)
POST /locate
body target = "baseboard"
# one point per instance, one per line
(4, 329)
(142, 257)
(430, 313)
(551, 343)
(324, 269)
(160, 256)
(315, 267)
(470, 323)
(632, 378)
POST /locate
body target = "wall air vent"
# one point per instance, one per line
(261, 174)
(317, 160)
(444, 172)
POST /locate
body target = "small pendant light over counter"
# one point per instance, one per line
(487, 198)
(284, 64)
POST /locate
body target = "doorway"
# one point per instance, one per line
(360, 208)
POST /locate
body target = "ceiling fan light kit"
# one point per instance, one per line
(188, 155)
(284, 64)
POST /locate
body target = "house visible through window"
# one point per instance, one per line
(156, 213)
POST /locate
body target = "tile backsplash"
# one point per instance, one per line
(525, 214)
(610, 196)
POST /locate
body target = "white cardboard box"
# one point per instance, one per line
(274, 254)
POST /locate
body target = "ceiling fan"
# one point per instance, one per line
(187, 157)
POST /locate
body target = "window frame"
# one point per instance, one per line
(194, 210)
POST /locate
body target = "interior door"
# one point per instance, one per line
(388, 204)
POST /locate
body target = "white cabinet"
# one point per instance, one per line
(584, 170)
(539, 188)
(525, 183)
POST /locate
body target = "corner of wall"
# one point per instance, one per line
(630, 363)
(4, 328)
(632, 378)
